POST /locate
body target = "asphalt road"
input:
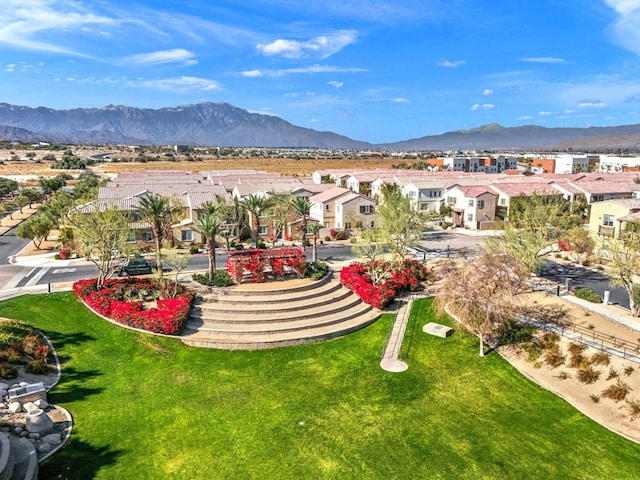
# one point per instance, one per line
(10, 245)
(584, 277)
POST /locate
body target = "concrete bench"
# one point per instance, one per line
(437, 330)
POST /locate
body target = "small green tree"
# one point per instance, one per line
(35, 228)
(207, 224)
(257, 206)
(314, 230)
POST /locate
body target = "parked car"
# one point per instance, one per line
(134, 266)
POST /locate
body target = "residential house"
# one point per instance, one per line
(474, 207)
(323, 209)
(355, 211)
(609, 218)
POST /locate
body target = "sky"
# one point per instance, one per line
(373, 70)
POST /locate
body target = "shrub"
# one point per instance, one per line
(628, 370)
(595, 398)
(8, 371)
(37, 366)
(194, 249)
(221, 278)
(316, 271)
(513, 332)
(576, 348)
(600, 358)
(634, 409)
(533, 349)
(563, 375)
(340, 235)
(549, 341)
(588, 375)
(554, 358)
(612, 374)
(617, 391)
(587, 294)
(577, 361)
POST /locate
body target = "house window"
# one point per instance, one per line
(131, 237)
(347, 225)
(358, 224)
(503, 201)
(366, 209)
(470, 217)
(480, 203)
(373, 224)
(451, 200)
(607, 220)
(187, 236)
(597, 198)
(147, 236)
(262, 230)
(327, 207)
(471, 202)
(135, 217)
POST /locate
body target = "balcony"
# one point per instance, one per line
(606, 230)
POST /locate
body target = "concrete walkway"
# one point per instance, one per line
(390, 361)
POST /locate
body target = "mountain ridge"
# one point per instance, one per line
(222, 124)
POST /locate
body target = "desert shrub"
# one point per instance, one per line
(634, 409)
(576, 348)
(588, 375)
(554, 358)
(595, 398)
(12, 355)
(587, 294)
(613, 373)
(513, 332)
(600, 358)
(577, 361)
(341, 235)
(8, 372)
(617, 391)
(194, 249)
(31, 342)
(563, 375)
(533, 349)
(628, 370)
(549, 341)
(37, 366)
(221, 278)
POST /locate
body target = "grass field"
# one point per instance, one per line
(147, 407)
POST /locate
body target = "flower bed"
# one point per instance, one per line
(256, 261)
(122, 300)
(408, 276)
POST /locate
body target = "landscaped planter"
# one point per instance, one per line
(121, 300)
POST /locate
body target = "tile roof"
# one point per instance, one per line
(329, 195)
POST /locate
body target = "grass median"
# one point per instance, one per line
(149, 407)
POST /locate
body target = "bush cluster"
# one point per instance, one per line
(220, 279)
(588, 295)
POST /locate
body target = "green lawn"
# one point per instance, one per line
(148, 407)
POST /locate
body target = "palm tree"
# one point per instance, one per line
(314, 229)
(159, 213)
(301, 207)
(257, 205)
(281, 209)
(208, 224)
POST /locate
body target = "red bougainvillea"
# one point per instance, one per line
(408, 276)
(121, 300)
(255, 263)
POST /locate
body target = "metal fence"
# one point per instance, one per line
(590, 337)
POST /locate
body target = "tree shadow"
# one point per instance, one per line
(547, 314)
(78, 460)
(72, 388)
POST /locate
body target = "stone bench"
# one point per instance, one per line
(437, 330)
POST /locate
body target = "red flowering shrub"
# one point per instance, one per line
(277, 267)
(408, 276)
(564, 245)
(255, 262)
(64, 253)
(121, 300)
(332, 233)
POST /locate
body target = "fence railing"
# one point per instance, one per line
(592, 338)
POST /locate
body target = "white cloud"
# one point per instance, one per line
(312, 69)
(626, 29)
(544, 113)
(591, 103)
(551, 60)
(524, 118)
(484, 106)
(487, 91)
(182, 84)
(10, 67)
(400, 100)
(451, 64)
(333, 83)
(177, 55)
(322, 46)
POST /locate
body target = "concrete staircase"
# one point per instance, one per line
(275, 315)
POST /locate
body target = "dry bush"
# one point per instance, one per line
(549, 341)
(577, 361)
(595, 398)
(563, 375)
(600, 358)
(554, 358)
(613, 373)
(588, 375)
(617, 391)
(576, 348)
(628, 370)
(634, 409)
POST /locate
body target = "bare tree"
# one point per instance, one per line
(482, 293)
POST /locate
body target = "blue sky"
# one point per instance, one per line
(374, 70)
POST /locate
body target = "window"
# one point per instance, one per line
(373, 224)
(262, 230)
(480, 203)
(327, 207)
(366, 208)
(131, 237)
(607, 220)
(451, 200)
(147, 237)
(187, 236)
(358, 224)
(597, 198)
(471, 203)
(470, 217)
(135, 217)
(347, 225)
(503, 201)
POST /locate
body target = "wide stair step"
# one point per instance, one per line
(275, 315)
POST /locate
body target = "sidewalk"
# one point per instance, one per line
(7, 223)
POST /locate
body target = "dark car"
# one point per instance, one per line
(134, 266)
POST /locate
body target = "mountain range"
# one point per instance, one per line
(222, 124)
